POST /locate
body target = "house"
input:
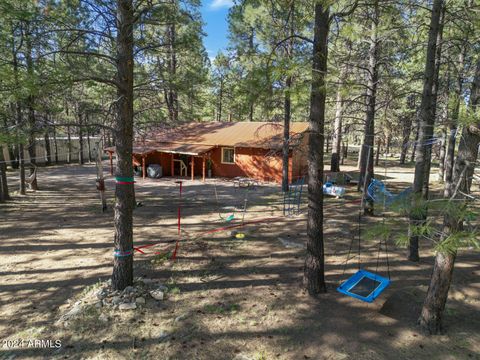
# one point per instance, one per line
(222, 149)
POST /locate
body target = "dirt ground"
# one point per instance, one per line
(227, 298)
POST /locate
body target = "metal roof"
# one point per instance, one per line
(199, 137)
(170, 148)
(238, 134)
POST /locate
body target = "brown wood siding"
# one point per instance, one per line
(300, 159)
(250, 162)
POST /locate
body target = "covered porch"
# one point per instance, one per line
(184, 160)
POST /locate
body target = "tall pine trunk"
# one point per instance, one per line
(21, 165)
(18, 114)
(314, 268)
(48, 148)
(431, 124)
(69, 145)
(366, 160)
(441, 156)
(434, 305)
(12, 156)
(407, 129)
(81, 159)
(414, 150)
(89, 146)
(337, 126)
(123, 127)
(286, 134)
(450, 153)
(287, 105)
(4, 194)
(32, 150)
(172, 68)
(377, 153)
(425, 130)
(220, 101)
(55, 143)
(454, 117)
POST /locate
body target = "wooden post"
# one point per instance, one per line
(193, 167)
(110, 155)
(143, 167)
(203, 169)
(172, 167)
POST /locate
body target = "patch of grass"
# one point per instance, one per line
(86, 322)
(89, 289)
(30, 333)
(261, 356)
(450, 311)
(175, 290)
(462, 343)
(159, 259)
(221, 308)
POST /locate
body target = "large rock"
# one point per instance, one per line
(157, 294)
(127, 306)
(101, 294)
(116, 300)
(76, 310)
(140, 301)
(128, 289)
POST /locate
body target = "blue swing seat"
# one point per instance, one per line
(364, 285)
(377, 191)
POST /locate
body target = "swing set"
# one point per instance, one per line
(365, 285)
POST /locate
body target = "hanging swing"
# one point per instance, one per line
(378, 192)
(365, 285)
(231, 216)
(227, 218)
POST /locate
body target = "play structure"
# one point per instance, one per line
(293, 197)
(227, 218)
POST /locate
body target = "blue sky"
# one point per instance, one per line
(214, 13)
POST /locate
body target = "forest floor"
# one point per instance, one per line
(227, 298)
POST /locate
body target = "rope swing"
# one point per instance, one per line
(365, 285)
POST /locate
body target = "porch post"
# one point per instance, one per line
(143, 167)
(203, 168)
(193, 168)
(110, 155)
(172, 167)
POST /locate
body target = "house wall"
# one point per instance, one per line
(256, 163)
(300, 159)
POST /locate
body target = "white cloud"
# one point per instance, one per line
(218, 4)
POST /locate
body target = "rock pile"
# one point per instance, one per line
(102, 296)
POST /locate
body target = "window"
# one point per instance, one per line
(228, 156)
